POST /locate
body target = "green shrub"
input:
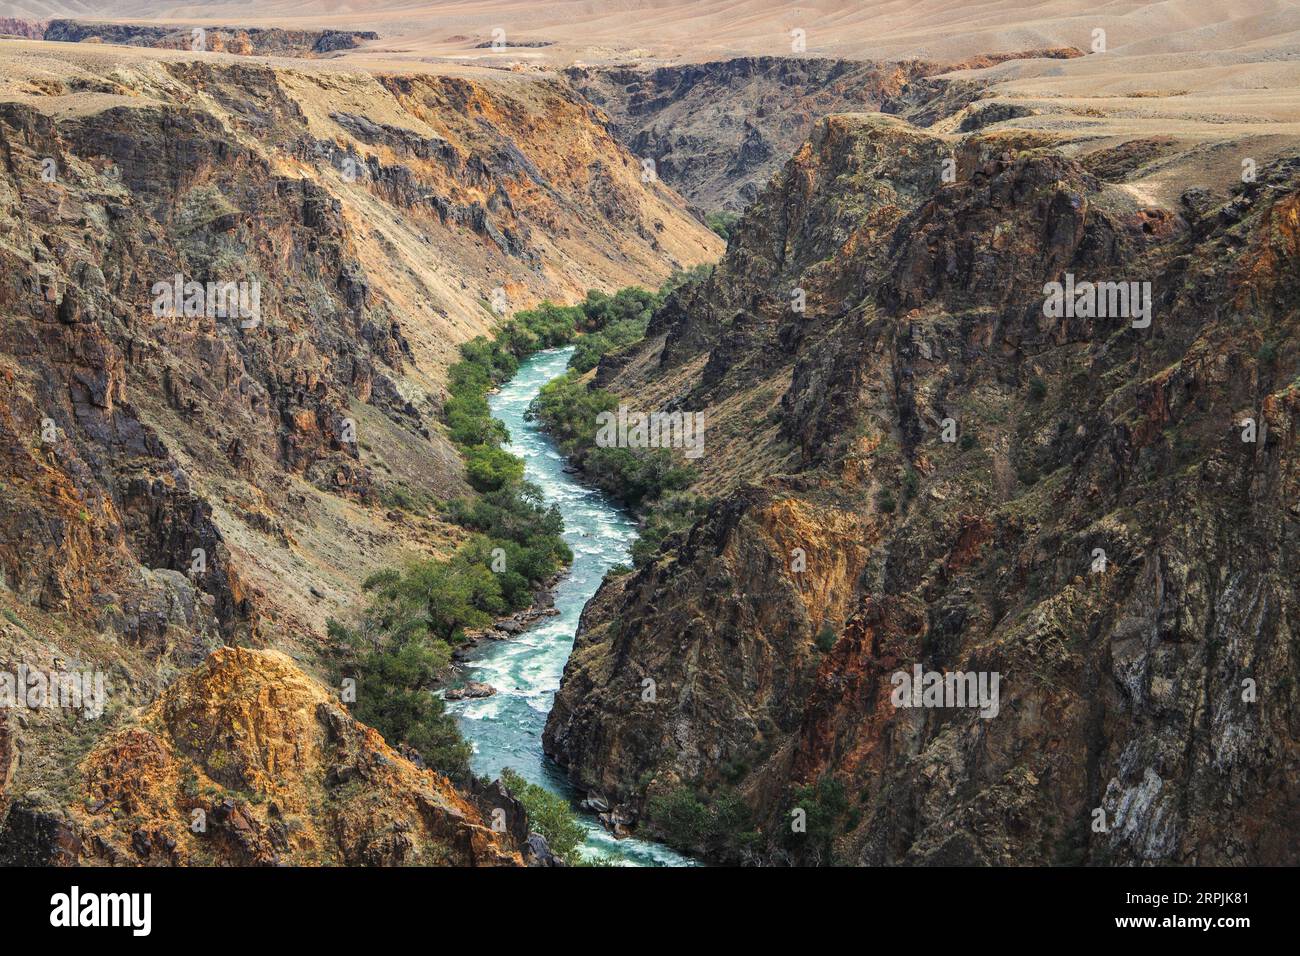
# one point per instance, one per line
(489, 467)
(590, 349)
(826, 638)
(569, 409)
(823, 803)
(670, 514)
(911, 484)
(721, 222)
(446, 596)
(400, 496)
(684, 277)
(548, 814)
(681, 817)
(396, 662)
(381, 579)
(720, 828)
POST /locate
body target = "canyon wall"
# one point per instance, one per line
(176, 478)
(926, 467)
(243, 41)
(718, 131)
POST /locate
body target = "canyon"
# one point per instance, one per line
(912, 463)
(174, 483)
(718, 131)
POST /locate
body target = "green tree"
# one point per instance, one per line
(722, 222)
(395, 665)
(488, 467)
(823, 803)
(548, 814)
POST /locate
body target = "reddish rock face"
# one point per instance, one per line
(247, 761)
(8, 762)
(31, 29)
(1096, 532)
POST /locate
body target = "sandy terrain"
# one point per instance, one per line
(1200, 70)
(706, 29)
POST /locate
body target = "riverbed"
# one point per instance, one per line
(505, 729)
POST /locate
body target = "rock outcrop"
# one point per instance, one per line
(928, 468)
(244, 41)
(18, 27)
(247, 761)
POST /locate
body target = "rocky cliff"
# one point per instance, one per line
(16, 27)
(718, 131)
(247, 761)
(242, 41)
(930, 467)
(177, 476)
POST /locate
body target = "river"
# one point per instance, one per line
(506, 728)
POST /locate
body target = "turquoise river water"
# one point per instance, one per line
(506, 729)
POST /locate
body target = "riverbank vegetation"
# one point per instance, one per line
(719, 827)
(398, 647)
(672, 513)
(548, 814)
(568, 407)
(649, 480)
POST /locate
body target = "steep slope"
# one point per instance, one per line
(1096, 532)
(176, 478)
(247, 761)
(718, 131)
(31, 29)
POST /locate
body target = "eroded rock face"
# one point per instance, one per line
(718, 131)
(1154, 689)
(247, 761)
(8, 761)
(134, 425)
(247, 41)
(176, 479)
(18, 27)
